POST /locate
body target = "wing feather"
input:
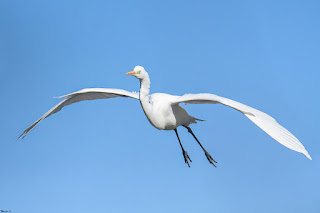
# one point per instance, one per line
(82, 95)
(261, 119)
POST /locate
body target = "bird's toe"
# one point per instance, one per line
(186, 157)
(210, 159)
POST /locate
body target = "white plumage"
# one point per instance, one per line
(164, 112)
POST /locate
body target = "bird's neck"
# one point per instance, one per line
(144, 88)
(144, 96)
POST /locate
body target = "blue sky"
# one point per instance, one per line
(104, 156)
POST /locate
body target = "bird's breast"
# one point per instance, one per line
(161, 116)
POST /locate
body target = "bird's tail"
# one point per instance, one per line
(194, 120)
(199, 119)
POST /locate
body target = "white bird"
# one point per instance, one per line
(164, 112)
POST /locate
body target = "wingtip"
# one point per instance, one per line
(19, 137)
(307, 155)
(22, 135)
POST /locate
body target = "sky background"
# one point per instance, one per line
(104, 156)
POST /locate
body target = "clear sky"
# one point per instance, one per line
(104, 156)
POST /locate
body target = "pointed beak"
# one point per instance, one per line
(131, 73)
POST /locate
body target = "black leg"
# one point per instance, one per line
(210, 159)
(185, 153)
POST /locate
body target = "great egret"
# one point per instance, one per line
(164, 112)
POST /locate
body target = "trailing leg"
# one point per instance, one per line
(184, 153)
(210, 159)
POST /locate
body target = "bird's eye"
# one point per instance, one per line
(138, 72)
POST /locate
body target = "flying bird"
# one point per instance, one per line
(164, 112)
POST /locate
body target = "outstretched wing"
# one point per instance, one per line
(261, 119)
(82, 95)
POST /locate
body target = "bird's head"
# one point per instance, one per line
(138, 72)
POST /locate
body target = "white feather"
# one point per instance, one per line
(82, 95)
(261, 119)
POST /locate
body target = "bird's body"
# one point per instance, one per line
(164, 112)
(165, 116)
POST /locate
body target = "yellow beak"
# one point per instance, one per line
(131, 73)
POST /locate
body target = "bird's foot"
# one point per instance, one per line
(210, 159)
(186, 157)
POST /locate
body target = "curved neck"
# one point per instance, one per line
(144, 95)
(144, 88)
